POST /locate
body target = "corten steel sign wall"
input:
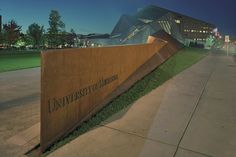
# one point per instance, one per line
(75, 83)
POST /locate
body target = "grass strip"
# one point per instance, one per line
(14, 61)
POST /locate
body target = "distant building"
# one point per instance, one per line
(152, 18)
(193, 29)
(92, 40)
(94, 36)
(135, 29)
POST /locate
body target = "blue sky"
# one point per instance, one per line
(87, 16)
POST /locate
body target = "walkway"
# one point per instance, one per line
(19, 111)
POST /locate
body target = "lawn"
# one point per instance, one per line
(179, 62)
(15, 60)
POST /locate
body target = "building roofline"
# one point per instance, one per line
(181, 14)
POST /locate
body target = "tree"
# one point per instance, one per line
(35, 33)
(72, 37)
(11, 32)
(1, 38)
(210, 40)
(56, 27)
(72, 31)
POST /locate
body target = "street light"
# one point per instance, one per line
(227, 43)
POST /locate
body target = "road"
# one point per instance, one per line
(19, 111)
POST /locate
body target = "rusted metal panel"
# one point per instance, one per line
(75, 83)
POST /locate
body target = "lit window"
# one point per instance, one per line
(204, 31)
(177, 21)
(192, 30)
(200, 31)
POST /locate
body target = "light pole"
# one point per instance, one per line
(227, 44)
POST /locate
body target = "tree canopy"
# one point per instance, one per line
(35, 32)
(56, 27)
(11, 32)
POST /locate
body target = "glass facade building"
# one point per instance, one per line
(135, 29)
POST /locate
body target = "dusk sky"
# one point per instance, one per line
(100, 16)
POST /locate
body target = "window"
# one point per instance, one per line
(177, 21)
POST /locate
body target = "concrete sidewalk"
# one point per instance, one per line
(19, 111)
(191, 115)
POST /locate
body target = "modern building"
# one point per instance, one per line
(135, 29)
(193, 29)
